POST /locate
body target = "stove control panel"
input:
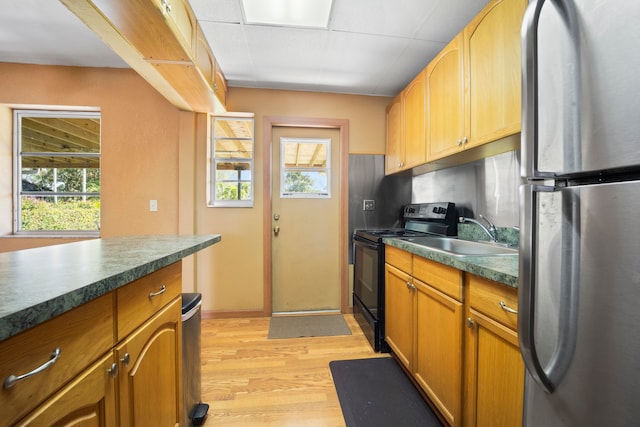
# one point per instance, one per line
(429, 210)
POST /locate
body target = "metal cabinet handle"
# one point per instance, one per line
(162, 290)
(113, 370)
(506, 308)
(126, 359)
(11, 380)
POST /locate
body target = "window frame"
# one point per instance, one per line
(283, 169)
(213, 159)
(18, 154)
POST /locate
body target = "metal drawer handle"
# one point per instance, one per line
(506, 308)
(12, 379)
(162, 290)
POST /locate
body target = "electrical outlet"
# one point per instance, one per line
(153, 206)
(369, 205)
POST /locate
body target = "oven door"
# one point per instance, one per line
(366, 279)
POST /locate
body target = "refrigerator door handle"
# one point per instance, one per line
(549, 376)
(530, 91)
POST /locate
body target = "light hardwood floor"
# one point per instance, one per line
(248, 380)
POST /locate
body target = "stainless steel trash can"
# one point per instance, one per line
(194, 411)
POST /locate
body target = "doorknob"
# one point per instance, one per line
(276, 230)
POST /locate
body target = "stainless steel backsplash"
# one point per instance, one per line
(487, 186)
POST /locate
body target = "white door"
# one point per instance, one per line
(305, 219)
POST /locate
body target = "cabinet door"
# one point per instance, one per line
(493, 60)
(414, 104)
(395, 148)
(399, 314)
(438, 362)
(150, 371)
(89, 400)
(180, 19)
(495, 374)
(445, 101)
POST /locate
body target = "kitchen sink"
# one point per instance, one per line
(457, 247)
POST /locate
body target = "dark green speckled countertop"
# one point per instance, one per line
(502, 269)
(39, 284)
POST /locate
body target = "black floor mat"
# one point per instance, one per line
(376, 392)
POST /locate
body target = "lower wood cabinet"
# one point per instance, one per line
(89, 400)
(424, 327)
(150, 371)
(455, 334)
(494, 369)
(399, 325)
(438, 352)
(96, 379)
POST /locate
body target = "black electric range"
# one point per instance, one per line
(368, 266)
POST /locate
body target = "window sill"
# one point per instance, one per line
(53, 235)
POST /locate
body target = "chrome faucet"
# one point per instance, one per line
(491, 230)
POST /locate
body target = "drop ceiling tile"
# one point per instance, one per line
(448, 19)
(361, 51)
(217, 10)
(398, 18)
(229, 46)
(414, 58)
(284, 47)
(36, 32)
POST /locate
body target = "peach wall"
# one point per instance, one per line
(151, 150)
(230, 278)
(140, 134)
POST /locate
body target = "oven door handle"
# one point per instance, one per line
(366, 243)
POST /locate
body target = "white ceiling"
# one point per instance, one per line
(372, 47)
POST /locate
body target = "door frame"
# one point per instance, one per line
(269, 122)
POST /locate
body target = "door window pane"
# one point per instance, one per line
(305, 171)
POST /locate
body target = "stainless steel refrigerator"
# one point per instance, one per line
(579, 320)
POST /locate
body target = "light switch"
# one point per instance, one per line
(153, 206)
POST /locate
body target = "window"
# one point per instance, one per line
(230, 162)
(305, 167)
(57, 180)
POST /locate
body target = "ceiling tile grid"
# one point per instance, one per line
(372, 47)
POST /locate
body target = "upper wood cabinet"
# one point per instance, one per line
(414, 110)
(162, 41)
(473, 85)
(406, 127)
(445, 101)
(493, 64)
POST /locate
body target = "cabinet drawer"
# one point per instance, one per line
(82, 335)
(141, 299)
(439, 276)
(398, 258)
(486, 296)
